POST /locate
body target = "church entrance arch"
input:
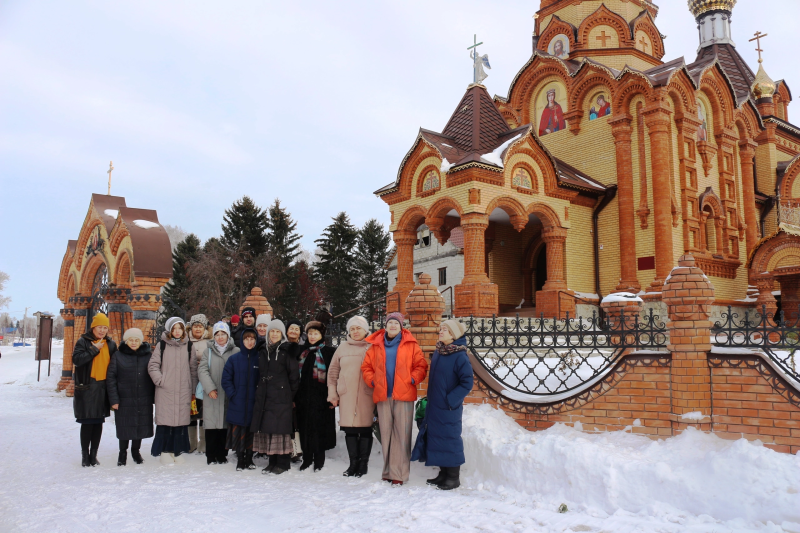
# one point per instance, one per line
(99, 287)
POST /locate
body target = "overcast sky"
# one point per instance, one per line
(198, 103)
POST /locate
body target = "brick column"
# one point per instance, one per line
(144, 309)
(765, 284)
(554, 300)
(120, 314)
(475, 295)
(257, 301)
(621, 129)
(747, 150)
(657, 116)
(425, 307)
(621, 314)
(69, 343)
(404, 240)
(790, 298)
(689, 295)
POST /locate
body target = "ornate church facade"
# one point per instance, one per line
(603, 165)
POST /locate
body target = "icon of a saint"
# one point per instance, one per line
(602, 109)
(552, 116)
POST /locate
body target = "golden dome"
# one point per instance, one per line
(698, 7)
(763, 86)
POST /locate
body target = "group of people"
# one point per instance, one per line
(262, 388)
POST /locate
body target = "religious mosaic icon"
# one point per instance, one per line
(601, 107)
(431, 181)
(559, 46)
(552, 115)
(95, 242)
(702, 129)
(522, 179)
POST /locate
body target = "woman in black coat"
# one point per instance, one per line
(316, 417)
(272, 412)
(132, 394)
(91, 356)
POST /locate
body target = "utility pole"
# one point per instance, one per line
(24, 328)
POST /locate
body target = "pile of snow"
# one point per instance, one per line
(113, 213)
(692, 473)
(145, 224)
(621, 297)
(496, 156)
(446, 165)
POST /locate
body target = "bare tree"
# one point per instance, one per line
(176, 234)
(4, 300)
(58, 327)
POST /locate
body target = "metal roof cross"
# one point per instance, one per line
(757, 38)
(110, 168)
(476, 60)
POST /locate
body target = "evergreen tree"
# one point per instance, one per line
(186, 251)
(371, 254)
(337, 271)
(282, 241)
(244, 228)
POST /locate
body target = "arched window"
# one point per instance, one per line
(711, 230)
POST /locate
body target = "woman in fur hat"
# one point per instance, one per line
(173, 369)
(439, 441)
(91, 356)
(347, 390)
(199, 337)
(131, 393)
(272, 412)
(315, 415)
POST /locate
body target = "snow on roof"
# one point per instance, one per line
(621, 297)
(113, 213)
(146, 224)
(496, 155)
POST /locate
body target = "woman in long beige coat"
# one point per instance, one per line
(173, 369)
(347, 390)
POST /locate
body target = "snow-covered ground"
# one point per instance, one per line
(514, 481)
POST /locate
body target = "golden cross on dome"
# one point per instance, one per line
(604, 38)
(110, 168)
(757, 38)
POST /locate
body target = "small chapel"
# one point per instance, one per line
(601, 167)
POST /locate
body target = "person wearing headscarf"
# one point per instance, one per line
(198, 337)
(347, 390)
(393, 368)
(132, 394)
(439, 441)
(90, 404)
(212, 365)
(173, 369)
(239, 379)
(272, 412)
(316, 417)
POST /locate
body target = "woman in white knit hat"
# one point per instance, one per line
(173, 369)
(348, 392)
(131, 393)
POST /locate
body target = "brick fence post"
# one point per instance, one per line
(66, 383)
(688, 294)
(614, 305)
(425, 307)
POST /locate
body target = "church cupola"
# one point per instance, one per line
(713, 21)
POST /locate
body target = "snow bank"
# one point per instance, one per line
(692, 473)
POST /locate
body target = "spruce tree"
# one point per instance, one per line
(283, 245)
(244, 228)
(371, 254)
(186, 251)
(337, 271)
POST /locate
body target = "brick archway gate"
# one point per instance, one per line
(119, 264)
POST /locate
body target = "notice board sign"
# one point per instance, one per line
(44, 338)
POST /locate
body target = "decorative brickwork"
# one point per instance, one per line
(425, 307)
(257, 301)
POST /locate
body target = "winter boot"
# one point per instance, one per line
(451, 480)
(85, 461)
(248, 458)
(273, 461)
(167, 458)
(223, 457)
(201, 439)
(122, 460)
(93, 457)
(137, 457)
(179, 459)
(240, 462)
(438, 479)
(297, 458)
(308, 459)
(192, 438)
(319, 461)
(352, 450)
(364, 449)
(283, 464)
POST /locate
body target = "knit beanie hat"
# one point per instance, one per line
(359, 321)
(133, 333)
(276, 324)
(396, 316)
(319, 326)
(100, 319)
(171, 324)
(221, 326)
(198, 319)
(263, 319)
(457, 329)
(235, 319)
(248, 311)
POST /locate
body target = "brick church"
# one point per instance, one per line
(602, 165)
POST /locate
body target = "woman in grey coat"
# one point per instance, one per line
(174, 372)
(212, 363)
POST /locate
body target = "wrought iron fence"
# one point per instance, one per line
(772, 334)
(541, 357)
(167, 309)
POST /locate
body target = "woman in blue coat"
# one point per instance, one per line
(449, 382)
(239, 380)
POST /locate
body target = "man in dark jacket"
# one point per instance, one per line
(248, 321)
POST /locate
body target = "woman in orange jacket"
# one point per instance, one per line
(393, 367)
